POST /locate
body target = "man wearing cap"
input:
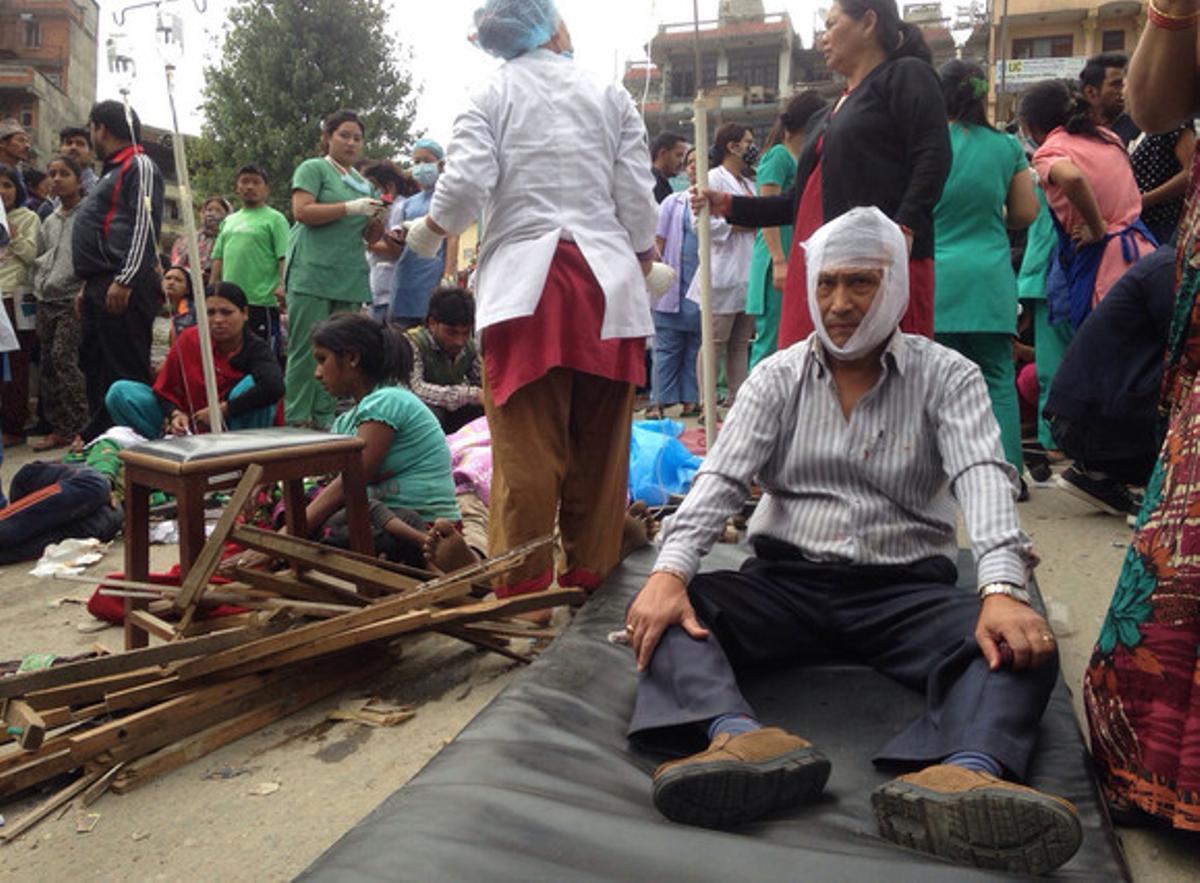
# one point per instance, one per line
(416, 277)
(863, 439)
(14, 145)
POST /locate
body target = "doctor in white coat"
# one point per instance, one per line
(733, 152)
(557, 168)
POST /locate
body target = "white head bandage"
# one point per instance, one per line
(861, 238)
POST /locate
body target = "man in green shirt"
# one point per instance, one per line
(250, 252)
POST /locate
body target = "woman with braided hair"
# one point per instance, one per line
(989, 188)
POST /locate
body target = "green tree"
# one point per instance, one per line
(286, 65)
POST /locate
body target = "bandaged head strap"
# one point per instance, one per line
(861, 238)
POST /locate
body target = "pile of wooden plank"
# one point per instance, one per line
(324, 624)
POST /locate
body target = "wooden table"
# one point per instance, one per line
(190, 467)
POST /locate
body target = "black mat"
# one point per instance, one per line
(542, 785)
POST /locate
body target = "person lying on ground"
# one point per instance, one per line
(249, 379)
(447, 369)
(405, 458)
(862, 439)
(449, 546)
(79, 496)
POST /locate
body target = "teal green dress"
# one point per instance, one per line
(975, 306)
(763, 300)
(1049, 341)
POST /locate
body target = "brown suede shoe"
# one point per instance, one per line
(977, 820)
(740, 778)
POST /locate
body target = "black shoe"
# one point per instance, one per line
(1023, 494)
(1106, 494)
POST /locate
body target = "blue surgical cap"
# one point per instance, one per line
(432, 146)
(508, 28)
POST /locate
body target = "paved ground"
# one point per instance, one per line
(202, 823)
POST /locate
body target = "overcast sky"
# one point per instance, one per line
(606, 33)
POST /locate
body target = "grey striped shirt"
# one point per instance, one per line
(879, 488)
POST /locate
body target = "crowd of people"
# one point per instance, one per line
(913, 308)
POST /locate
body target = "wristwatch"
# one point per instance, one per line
(1017, 593)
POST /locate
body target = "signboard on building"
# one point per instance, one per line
(1018, 74)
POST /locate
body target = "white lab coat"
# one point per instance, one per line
(732, 252)
(8, 337)
(541, 154)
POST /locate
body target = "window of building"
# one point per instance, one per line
(33, 33)
(1112, 41)
(27, 116)
(171, 209)
(754, 68)
(683, 75)
(1057, 46)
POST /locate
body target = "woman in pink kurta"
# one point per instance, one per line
(1088, 180)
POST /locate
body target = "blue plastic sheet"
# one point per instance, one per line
(659, 464)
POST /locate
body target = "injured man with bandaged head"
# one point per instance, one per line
(866, 442)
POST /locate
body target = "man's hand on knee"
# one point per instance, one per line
(662, 603)
(1028, 636)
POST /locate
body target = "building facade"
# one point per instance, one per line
(47, 66)
(1035, 40)
(751, 62)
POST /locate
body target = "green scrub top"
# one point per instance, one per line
(778, 167)
(975, 287)
(1039, 246)
(330, 261)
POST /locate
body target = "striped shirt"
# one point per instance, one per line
(878, 488)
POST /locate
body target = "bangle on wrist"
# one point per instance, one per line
(1167, 22)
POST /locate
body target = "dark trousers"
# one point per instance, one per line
(909, 622)
(115, 346)
(453, 421)
(264, 321)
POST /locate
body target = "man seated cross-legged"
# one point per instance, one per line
(862, 439)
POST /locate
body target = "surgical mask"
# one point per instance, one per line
(750, 156)
(425, 174)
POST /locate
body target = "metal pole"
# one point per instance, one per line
(704, 234)
(215, 422)
(1003, 60)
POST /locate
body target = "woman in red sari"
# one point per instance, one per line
(884, 143)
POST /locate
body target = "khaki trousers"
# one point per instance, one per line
(560, 448)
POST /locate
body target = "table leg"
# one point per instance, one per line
(294, 506)
(358, 520)
(191, 522)
(137, 553)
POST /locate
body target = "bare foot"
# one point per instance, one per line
(640, 528)
(446, 550)
(50, 442)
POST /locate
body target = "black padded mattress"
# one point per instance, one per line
(542, 784)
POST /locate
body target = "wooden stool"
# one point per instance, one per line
(191, 466)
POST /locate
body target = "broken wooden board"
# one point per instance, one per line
(72, 673)
(147, 768)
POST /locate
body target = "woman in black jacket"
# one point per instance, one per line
(884, 143)
(249, 379)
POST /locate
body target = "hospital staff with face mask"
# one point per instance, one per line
(416, 277)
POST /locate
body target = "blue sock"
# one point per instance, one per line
(976, 761)
(733, 724)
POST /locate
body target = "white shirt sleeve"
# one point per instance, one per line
(633, 182)
(472, 169)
